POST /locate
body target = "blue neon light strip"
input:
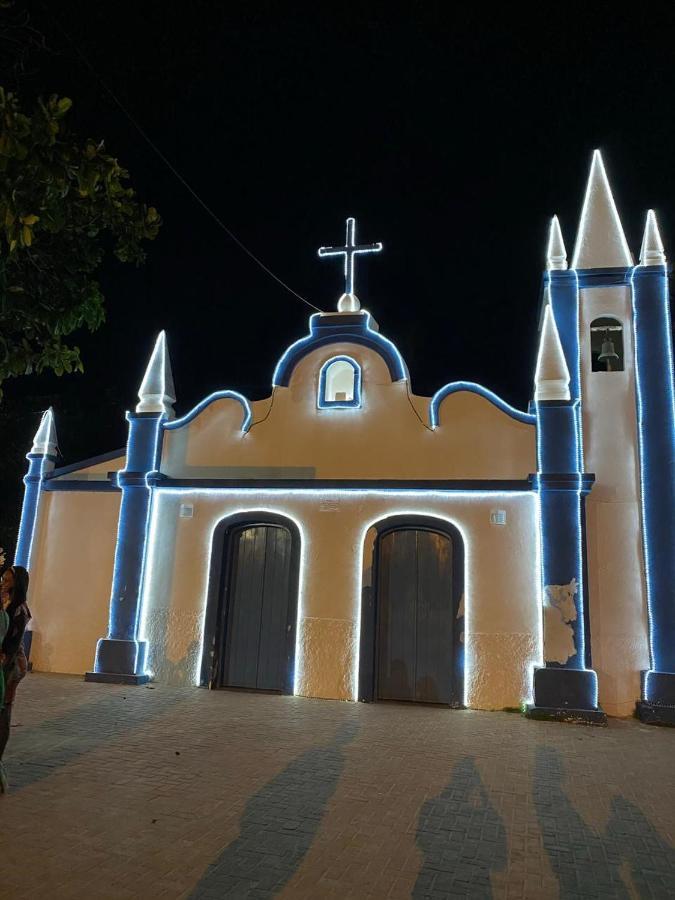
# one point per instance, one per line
(655, 397)
(217, 395)
(29, 509)
(326, 330)
(474, 388)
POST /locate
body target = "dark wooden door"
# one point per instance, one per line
(415, 617)
(259, 648)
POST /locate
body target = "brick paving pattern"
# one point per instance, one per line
(158, 792)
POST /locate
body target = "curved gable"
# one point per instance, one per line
(340, 328)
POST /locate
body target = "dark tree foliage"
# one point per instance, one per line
(63, 202)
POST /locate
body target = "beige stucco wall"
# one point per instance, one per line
(71, 574)
(386, 438)
(617, 591)
(502, 597)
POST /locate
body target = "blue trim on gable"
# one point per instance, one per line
(474, 388)
(333, 329)
(217, 395)
(355, 403)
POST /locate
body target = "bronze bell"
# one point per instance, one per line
(608, 353)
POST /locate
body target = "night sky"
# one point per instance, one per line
(451, 134)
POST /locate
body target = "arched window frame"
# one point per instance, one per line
(355, 402)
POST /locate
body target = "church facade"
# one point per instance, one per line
(347, 539)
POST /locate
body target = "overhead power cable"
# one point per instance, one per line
(188, 187)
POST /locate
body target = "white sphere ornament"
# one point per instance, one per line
(348, 303)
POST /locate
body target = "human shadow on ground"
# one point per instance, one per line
(36, 751)
(278, 826)
(587, 863)
(462, 838)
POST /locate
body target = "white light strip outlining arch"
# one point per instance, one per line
(250, 501)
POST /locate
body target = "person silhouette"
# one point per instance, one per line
(462, 838)
(279, 824)
(586, 862)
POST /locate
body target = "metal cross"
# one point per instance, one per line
(349, 251)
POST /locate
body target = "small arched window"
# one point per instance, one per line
(340, 383)
(606, 345)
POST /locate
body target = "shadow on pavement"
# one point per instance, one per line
(588, 863)
(278, 826)
(462, 839)
(36, 751)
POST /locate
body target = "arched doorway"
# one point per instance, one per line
(412, 619)
(249, 639)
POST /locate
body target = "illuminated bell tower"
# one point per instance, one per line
(593, 305)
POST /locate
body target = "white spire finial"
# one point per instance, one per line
(45, 442)
(552, 377)
(157, 393)
(556, 254)
(600, 242)
(652, 252)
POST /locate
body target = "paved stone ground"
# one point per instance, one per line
(156, 792)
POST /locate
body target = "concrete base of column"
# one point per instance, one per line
(120, 662)
(658, 704)
(116, 678)
(566, 695)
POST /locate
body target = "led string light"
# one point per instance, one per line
(151, 501)
(313, 341)
(156, 422)
(643, 461)
(216, 395)
(260, 502)
(598, 177)
(350, 250)
(579, 469)
(471, 386)
(36, 482)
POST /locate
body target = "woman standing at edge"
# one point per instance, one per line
(13, 590)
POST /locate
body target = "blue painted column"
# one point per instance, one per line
(564, 687)
(121, 657)
(564, 298)
(39, 465)
(655, 396)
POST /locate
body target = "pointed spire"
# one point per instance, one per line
(157, 393)
(552, 377)
(651, 252)
(556, 254)
(45, 442)
(600, 242)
